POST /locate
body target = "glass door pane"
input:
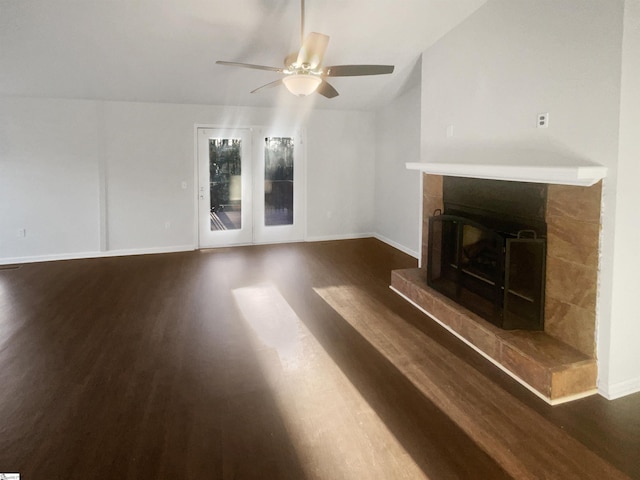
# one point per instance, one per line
(278, 180)
(224, 196)
(225, 187)
(278, 186)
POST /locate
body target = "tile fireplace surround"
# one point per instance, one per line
(559, 363)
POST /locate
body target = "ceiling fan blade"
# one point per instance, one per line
(357, 70)
(268, 85)
(326, 90)
(249, 65)
(312, 51)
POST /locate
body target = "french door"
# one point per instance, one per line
(278, 187)
(250, 186)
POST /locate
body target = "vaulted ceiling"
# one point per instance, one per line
(165, 50)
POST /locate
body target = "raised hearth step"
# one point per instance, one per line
(552, 369)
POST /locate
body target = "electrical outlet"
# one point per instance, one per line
(22, 232)
(167, 225)
(449, 131)
(542, 120)
(184, 185)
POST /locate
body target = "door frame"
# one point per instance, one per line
(300, 134)
(208, 238)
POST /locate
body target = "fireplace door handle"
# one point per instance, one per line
(527, 234)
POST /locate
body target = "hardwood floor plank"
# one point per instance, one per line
(146, 367)
(524, 443)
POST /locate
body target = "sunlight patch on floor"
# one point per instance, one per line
(463, 393)
(335, 432)
(10, 318)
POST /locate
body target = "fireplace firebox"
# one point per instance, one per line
(487, 250)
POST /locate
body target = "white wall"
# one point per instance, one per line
(512, 59)
(48, 177)
(340, 174)
(397, 190)
(149, 151)
(620, 337)
(87, 178)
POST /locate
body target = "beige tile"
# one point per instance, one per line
(430, 205)
(424, 299)
(433, 185)
(482, 338)
(545, 350)
(446, 313)
(425, 243)
(574, 380)
(399, 282)
(573, 240)
(571, 283)
(573, 325)
(579, 203)
(524, 367)
(431, 201)
(412, 284)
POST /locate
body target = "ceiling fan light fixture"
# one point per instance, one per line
(302, 84)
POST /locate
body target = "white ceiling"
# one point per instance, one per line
(165, 50)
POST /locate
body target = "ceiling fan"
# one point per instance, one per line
(303, 71)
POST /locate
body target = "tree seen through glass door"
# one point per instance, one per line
(278, 181)
(225, 186)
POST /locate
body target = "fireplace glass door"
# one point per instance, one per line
(497, 276)
(524, 283)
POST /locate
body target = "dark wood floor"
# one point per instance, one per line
(287, 361)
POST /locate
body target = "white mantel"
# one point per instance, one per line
(541, 162)
(583, 175)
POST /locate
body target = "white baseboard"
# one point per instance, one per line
(82, 255)
(397, 246)
(182, 248)
(621, 389)
(149, 251)
(377, 236)
(345, 236)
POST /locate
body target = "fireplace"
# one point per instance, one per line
(487, 249)
(559, 362)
